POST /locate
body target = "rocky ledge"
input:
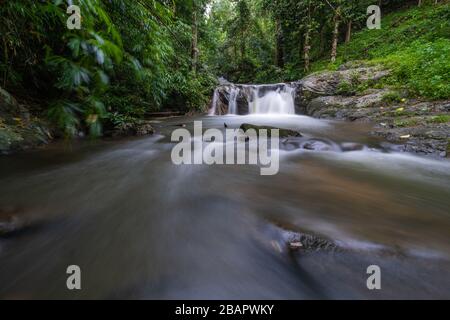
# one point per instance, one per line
(409, 125)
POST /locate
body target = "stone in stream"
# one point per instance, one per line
(320, 145)
(139, 128)
(283, 133)
(9, 222)
(282, 237)
(352, 146)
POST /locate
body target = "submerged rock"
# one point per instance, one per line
(284, 133)
(320, 145)
(9, 222)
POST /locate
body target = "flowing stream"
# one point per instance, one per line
(141, 227)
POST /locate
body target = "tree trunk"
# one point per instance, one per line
(348, 35)
(322, 46)
(194, 48)
(307, 48)
(243, 46)
(279, 50)
(335, 36)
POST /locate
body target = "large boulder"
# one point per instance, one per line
(329, 83)
(343, 107)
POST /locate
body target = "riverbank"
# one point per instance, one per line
(22, 128)
(356, 93)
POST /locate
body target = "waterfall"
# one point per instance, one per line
(212, 111)
(276, 101)
(254, 99)
(232, 104)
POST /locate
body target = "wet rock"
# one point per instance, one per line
(139, 128)
(283, 133)
(351, 146)
(307, 242)
(320, 145)
(18, 129)
(8, 103)
(291, 144)
(413, 126)
(9, 226)
(143, 129)
(341, 107)
(327, 83)
(423, 138)
(9, 222)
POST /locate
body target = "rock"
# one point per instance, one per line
(345, 107)
(18, 130)
(320, 145)
(144, 129)
(351, 146)
(326, 83)
(9, 222)
(8, 103)
(139, 128)
(9, 226)
(307, 242)
(283, 133)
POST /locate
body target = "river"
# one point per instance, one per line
(141, 227)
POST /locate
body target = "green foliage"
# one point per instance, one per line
(392, 97)
(445, 118)
(127, 59)
(406, 122)
(414, 43)
(423, 67)
(135, 57)
(345, 88)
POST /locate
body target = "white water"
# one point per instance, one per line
(280, 101)
(212, 111)
(232, 106)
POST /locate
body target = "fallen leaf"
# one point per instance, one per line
(295, 245)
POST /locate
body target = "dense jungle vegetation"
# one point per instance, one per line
(133, 57)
